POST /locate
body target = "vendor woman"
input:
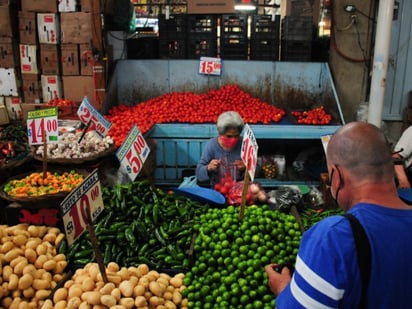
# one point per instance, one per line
(222, 153)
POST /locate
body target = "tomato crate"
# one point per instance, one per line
(172, 48)
(204, 24)
(175, 27)
(234, 47)
(264, 27)
(202, 47)
(297, 28)
(264, 49)
(296, 50)
(233, 25)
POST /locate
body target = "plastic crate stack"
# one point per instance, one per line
(202, 36)
(265, 38)
(234, 42)
(173, 36)
(296, 38)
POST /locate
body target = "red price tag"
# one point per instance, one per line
(249, 151)
(74, 207)
(133, 153)
(42, 124)
(88, 114)
(210, 66)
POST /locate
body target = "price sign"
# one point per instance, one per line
(87, 113)
(41, 124)
(133, 153)
(210, 66)
(88, 195)
(249, 151)
(325, 140)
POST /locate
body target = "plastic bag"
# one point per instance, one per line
(189, 182)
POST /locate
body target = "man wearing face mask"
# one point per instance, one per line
(223, 150)
(327, 273)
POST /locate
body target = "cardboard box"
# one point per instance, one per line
(39, 5)
(67, 6)
(51, 87)
(70, 59)
(6, 21)
(4, 116)
(86, 59)
(76, 27)
(31, 88)
(49, 59)
(77, 87)
(87, 6)
(13, 108)
(28, 59)
(27, 28)
(48, 28)
(9, 52)
(8, 82)
(210, 6)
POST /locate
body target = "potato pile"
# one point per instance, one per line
(30, 264)
(131, 287)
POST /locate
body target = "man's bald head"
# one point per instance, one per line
(363, 149)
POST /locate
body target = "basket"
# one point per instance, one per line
(41, 201)
(21, 157)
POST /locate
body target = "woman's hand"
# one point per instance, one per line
(277, 281)
(213, 165)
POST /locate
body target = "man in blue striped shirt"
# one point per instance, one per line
(326, 273)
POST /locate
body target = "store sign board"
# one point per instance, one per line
(210, 66)
(88, 115)
(210, 6)
(42, 126)
(249, 151)
(88, 195)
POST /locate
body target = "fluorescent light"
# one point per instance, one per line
(245, 7)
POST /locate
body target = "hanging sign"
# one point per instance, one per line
(42, 126)
(249, 151)
(86, 197)
(133, 153)
(88, 115)
(210, 66)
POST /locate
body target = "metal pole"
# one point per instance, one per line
(380, 61)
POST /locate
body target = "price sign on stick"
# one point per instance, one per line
(88, 115)
(249, 151)
(133, 153)
(42, 126)
(86, 197)
(210, 66)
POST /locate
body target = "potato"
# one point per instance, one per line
(33, 243)
(75, 291)
(126, 287)
(168, 295)
(128, 302)
(33, 230)
(6, 246)
(13, 282)
(60, 294)
(177, 297)
(12, 254)
(7, 271)
(6, 302)
(92, 297)
(116, 293)
(49, 265)
(143, 269)
(41, 249)
(50, 237)
(88, 284)
(41, 259)
(114, 278)
(29, 292)
(41, 284)
(155, 288)
(30, 254)
(156, 301)
(107, 288)
(25, 281)
(73, 303)
(139, 290)
(62, 304)
(59, 239)
(108, 300)
(112, 267)
(118, 307)
(170, 305)
(42, 294)
(20, 240)
(176, 282)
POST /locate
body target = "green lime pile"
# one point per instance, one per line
(231, 255)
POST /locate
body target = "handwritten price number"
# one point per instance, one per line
(210, 67)
(134, 155)
(249, 155)
(78, 214)
(38, 127)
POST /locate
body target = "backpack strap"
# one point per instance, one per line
(364, 256)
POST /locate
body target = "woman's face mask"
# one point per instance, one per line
(229, 141)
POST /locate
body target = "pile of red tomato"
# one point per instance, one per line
(61, 102)
(189, 107)
(315, 116)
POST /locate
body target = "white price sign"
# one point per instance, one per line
(87, 113)
(88, 195)
(133, 153)
(42, 124)
(210, 66)
(249, 151)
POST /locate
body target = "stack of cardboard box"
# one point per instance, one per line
(56, 51)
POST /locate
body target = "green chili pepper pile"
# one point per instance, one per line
(141, 224)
